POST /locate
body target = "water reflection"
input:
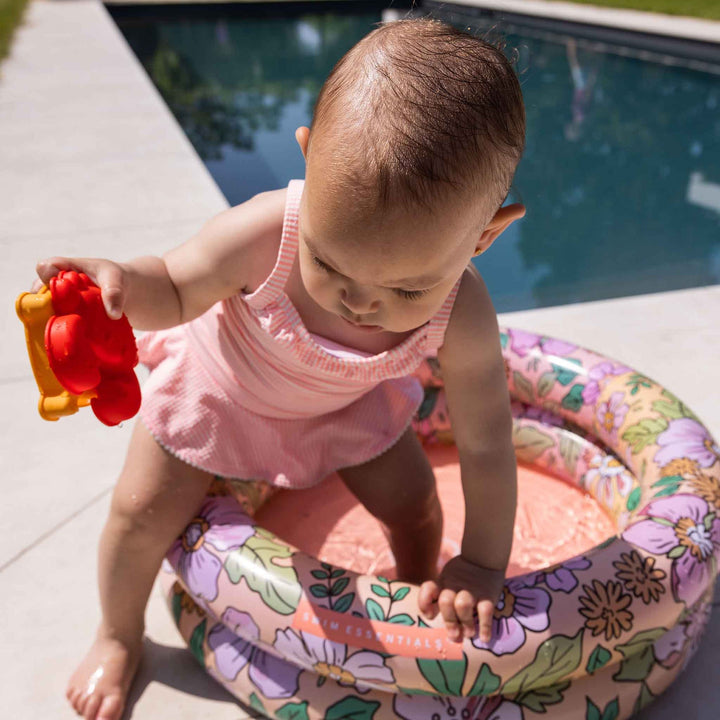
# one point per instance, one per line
(620, 175)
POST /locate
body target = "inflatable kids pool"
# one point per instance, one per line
(602, 609)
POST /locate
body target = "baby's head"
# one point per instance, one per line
(413, 146)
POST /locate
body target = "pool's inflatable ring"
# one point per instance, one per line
(595, 637)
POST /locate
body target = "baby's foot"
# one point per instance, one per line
(99, 686)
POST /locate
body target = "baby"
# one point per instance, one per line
(288, 328)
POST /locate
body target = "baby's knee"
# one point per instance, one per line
(132, 513)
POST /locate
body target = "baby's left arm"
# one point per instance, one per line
(478, 401)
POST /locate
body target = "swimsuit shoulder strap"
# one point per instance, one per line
(439, 322)
(274, 284)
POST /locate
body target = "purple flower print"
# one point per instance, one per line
(427, 707)
(532, 412)
(684, 638)
(520, 608)
(363, 669)
(561, 578)
(611, 414)
(597, 374)
(683, 528)
(522, 343)
(669, 646)
(687, 438)
(219, 523)
(274, 677)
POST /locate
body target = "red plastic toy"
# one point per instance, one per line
(78, 354)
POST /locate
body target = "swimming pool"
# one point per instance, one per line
(621, 175)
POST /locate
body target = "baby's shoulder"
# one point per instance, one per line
(256, 225)
(472, 330)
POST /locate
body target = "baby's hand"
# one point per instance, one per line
(107, 275)
(462, 588)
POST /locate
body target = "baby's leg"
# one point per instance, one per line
(398, 488)
(155, 498)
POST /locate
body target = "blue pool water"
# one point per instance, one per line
(621, 176)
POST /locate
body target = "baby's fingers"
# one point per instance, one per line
(446, 602)
(50, 267)
(465, 609)
(111, 280)
(428, 597)
(485, 610)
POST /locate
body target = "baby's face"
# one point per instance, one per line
(387, 272)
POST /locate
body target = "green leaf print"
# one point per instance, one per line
(256, 704)
(545, 383)
(380, 590)
(196, 642)
(570, 451)
(352, 708)
(672, 408)
(573, 401)
(599, 657)
(523, 388)
(486, 682)
(638, 654)
(537, 699)
(634, 499)
(277, 585)
(339, 585)
(344, 603)
(669, 485)
(530, 443)
(644, 698)
(593, 711)
(644, 433)
(401, 619)
(555, 658)
(400, 594)
(374, 609)
(293, 711)
(446, 676)
(564, 374)
(177, 607)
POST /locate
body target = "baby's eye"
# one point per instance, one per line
(410, 294)
(319, 263)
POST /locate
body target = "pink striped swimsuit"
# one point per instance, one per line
(245, 391)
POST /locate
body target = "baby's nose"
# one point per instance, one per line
(358, 300)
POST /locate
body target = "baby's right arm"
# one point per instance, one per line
(160, 292)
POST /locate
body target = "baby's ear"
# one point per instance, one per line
(503, 219)
(302, 135)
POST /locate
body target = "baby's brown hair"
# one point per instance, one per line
(419, 109)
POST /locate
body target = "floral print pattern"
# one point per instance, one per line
(331, 659)
(640, 576)
(604, 606)
(656, 469)
(687, 438)
(684, 529)
(423, 707)
(519, 609)
(219, 525)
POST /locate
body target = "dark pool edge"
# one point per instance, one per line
(662, 46)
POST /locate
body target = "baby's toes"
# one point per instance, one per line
(89, 712)
(74, 695)
(111, 709)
